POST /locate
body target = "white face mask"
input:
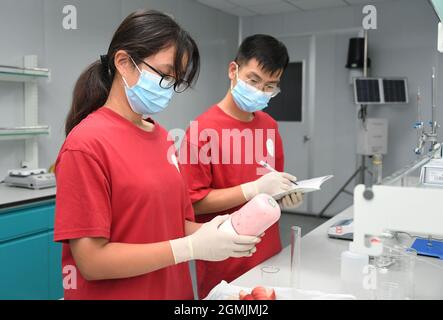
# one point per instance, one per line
(147, 97)
(248, 98)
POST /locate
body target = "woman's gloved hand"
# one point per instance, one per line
(271, 183)
(291, 201)
(212, 244)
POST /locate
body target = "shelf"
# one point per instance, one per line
(17, 74)
(17, 133)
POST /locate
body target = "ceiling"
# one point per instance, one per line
(246, 8)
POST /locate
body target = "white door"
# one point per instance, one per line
(296, 135)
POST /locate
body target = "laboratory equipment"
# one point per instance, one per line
(343, 229)
(423, 135)
(400, 204)
(380, 90)
(254, 217)
(270, 276)
(372, 137)
(295, 257)
(395, 273)
(32, 181)
(432, 173)
(353, 268)
(26, 172)
(377, 168)
(428, 247)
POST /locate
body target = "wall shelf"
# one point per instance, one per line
(17, 74)
(21, 133)
(31, 129)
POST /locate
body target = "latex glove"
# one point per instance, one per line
(271, 183)
(291, 201)
(212, 244)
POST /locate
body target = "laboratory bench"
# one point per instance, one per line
(30, 261)
(321, 263)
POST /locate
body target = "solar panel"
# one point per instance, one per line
(395, 91)
(368, 91)
(380, 91)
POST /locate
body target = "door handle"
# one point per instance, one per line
(306, 138)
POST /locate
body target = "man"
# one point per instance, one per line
(222, 149)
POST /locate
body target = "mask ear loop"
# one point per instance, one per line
(126, 83)
(124, 80)
(236, 75)
(135, 64)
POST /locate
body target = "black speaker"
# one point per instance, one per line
(356, 54)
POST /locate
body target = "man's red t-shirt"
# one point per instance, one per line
(115, 181)
(220, 152)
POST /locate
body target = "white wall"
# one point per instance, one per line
(35, 27)
(404, 45)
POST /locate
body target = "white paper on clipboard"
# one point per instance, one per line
(304, 186)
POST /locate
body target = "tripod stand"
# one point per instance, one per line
(362, 169)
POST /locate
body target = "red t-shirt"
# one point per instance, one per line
(223, 152)
(114, 181)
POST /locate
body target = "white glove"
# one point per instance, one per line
(271, 183)
(211, 244)
(291, 201)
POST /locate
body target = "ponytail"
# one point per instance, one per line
(90, 93)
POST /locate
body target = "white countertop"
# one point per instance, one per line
(12, 195)
(320, 265)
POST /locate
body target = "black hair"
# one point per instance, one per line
(270, 53)
(142, 34)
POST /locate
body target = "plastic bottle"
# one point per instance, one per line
(254, 217)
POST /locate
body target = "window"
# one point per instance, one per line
(287, 106)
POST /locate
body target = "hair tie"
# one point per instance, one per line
(105, 65)
(104, 59)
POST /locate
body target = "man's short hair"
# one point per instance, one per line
(270, 53)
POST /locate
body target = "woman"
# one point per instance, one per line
(122, 209)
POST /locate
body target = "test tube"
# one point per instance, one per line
(295, 256)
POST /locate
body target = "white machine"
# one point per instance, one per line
(343, 229)
(417, 211)
(432, 173)
(373, 137)
(30, 179)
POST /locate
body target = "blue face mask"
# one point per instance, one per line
(146, 97)
(249, 98)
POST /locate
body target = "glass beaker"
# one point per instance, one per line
(295, 256)
(270, 276)
(395, 273)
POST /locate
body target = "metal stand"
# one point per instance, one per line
(362, 169)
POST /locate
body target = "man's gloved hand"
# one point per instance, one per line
(212, 244)
(271, 183)
(291, 201)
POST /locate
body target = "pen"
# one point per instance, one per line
(267, 166)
